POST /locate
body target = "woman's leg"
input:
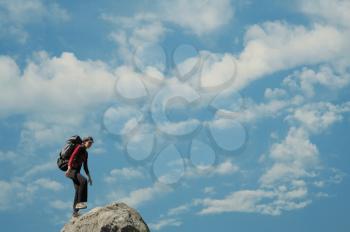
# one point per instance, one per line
(76, 185)
(82, 190)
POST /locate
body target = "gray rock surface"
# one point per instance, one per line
(116, 217)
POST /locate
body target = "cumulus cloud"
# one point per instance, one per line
(271, 202)
(49, 184)
(316, 117)
(41, 168)
(61, 205)
(209, 190)
(284, 185)
(55, 94)
(179, 210)
(275, 93)
(224, 168)
(270, 47)
(135, 33)
(292, 162)
(142, 195)
(54, 85)
(252, 111)
(293, 166)
(293, 157)
(275, 46)
(15, 15)
(20, 192)
(281, 188)
(327, 11)
(10, 156)
(147, 28)
(307, 80)
(170, 218)
(162, 223)
(199, 16)
(123, 173)
(47, 86)
(8, 190)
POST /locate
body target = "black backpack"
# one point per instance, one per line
(66, 152)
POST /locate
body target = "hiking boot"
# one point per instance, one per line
(81, 205)
(75, 214)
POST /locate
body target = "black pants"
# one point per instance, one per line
(80, 186)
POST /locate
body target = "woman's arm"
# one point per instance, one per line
(75, 152)
(86, 169)
(72, 157)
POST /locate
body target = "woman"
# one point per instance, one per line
(78, 158)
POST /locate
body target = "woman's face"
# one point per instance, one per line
(87, 144)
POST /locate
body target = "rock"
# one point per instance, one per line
(116, 217)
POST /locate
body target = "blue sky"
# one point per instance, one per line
(208, 115)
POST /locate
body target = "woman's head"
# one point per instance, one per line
(88, 141)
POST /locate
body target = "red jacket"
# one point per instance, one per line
(78, 158)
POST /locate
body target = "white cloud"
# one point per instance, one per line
(242, 201)
(327, 11)
(226, 168)
(169, 219)
(269, 47)
(37, 133)
(34, 129)
(282, 186)
(179, 128)
(61, 205)
(142, 195)
(149, 27)
(21, 192)
(252, 111)
(99, 147)
(8, 156)
(16, 14)
(40, 168)
(275, 46)
(179, 210)
(7, 191)
(49, 184)
(293, 157)
(209, 190)
(198, 16)
(308, 79)
(49, 86)
(295, 148)
(316, 117)
(135, 33)
(217, 71)
(274, 93)
(162, 223)
(270, 202)
(123, 174)
(142, 28)
(130, 84)
(56, 94)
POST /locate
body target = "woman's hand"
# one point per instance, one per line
(68, 172)
(89, 178)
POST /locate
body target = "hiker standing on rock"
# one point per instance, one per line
(78, 158)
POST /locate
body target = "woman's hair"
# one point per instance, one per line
(88, 138)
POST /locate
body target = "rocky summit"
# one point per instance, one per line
(116, 217)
